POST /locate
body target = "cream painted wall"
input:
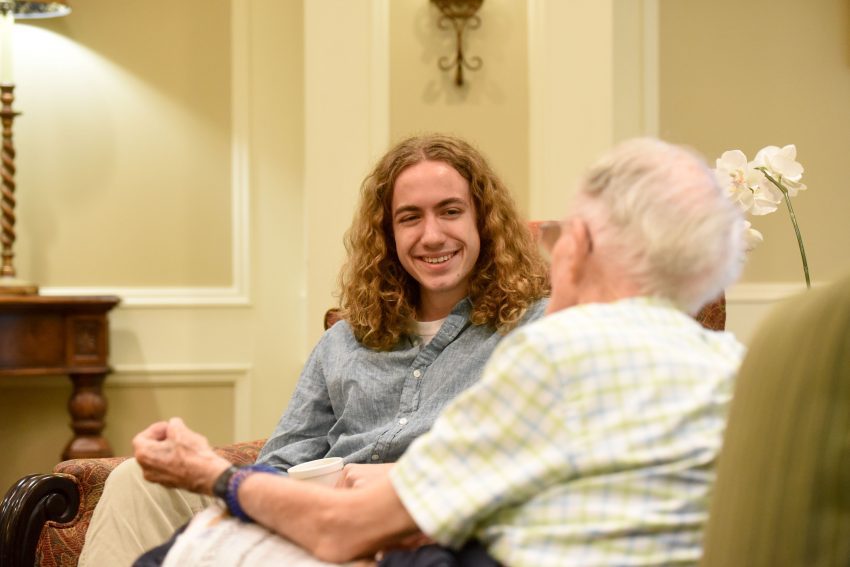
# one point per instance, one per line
(774, 73)
(750, 74)
(139, 125)
(571, 94)
(490, 110)
(345, 131)
(635, 68)
(40, 430)
(206, 123)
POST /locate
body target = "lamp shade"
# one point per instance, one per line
(32, 10)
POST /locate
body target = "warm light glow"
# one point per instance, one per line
(7, 25)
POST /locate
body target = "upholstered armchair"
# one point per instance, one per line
(783, 477)
(44, 517)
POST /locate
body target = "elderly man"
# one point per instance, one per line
(592, 436)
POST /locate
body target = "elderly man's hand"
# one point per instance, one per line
(358, 476)
(173, 455)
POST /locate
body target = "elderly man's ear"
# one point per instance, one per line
(570, 266)
(581, 245)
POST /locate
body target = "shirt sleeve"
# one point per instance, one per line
(497, 444)
(302, 433)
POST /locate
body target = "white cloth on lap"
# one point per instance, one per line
(216, 539)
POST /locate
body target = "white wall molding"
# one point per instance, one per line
(379, 101)
(758, 293)
(651, 64)
(238, 293)
(345, 43)
(571, 105)
(200, 373)
(144, 297)
(748, 304)
(536, 101)
(193, 375)
(148, 375)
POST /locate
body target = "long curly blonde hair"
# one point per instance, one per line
(379, 298)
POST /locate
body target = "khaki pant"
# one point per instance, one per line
(134, 515)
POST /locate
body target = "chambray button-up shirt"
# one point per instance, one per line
(368, 406)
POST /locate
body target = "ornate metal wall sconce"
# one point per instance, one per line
(460, 15)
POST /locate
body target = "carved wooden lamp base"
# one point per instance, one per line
(14, 286)
(9, 283)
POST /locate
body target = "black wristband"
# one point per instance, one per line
(220, 485)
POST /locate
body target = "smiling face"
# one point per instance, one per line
(434, 226)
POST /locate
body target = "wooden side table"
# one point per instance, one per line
(46, 335)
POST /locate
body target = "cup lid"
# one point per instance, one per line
(318, 467)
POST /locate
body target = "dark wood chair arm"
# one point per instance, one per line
(32, 502)
(44, 517)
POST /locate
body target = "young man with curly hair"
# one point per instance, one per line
(440, 266)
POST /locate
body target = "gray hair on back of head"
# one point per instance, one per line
(657, 212)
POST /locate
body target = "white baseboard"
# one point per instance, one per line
(755, 293)
(133, 297)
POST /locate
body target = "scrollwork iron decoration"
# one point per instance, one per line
(460, 15)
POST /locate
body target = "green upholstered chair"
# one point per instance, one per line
(783, 487)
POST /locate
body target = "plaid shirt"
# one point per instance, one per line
(591, 439)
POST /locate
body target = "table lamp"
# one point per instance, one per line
(10, 10)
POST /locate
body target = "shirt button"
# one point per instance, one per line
(417, 373)
(402, 421)
(375, 457)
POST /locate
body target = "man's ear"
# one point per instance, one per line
(581, 243)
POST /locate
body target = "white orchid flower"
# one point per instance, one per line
(752, 237)
(793, 187)
(737, 178)
(760, 185)
(766, 196)
(782, 165)
(782, 161)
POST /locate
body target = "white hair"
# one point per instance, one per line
(656, 211)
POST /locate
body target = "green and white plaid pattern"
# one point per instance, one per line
(590, 440)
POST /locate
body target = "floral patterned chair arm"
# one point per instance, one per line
(713, 315)
(44, 517)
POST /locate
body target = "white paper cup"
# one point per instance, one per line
(321, 471)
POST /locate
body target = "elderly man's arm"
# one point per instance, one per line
(334, 525)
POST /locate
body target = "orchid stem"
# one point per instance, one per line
(793, 222)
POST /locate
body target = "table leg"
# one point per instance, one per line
(87, 407)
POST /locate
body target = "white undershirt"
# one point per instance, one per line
(427, 329)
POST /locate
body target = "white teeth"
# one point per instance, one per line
(438, 260)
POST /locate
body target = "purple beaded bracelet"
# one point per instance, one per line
(232, 495)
